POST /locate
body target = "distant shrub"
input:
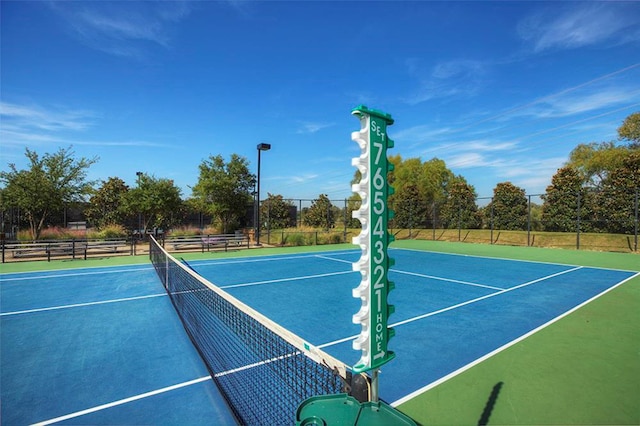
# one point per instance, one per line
(186, 231)
(106, 232)
(294, 239)
(335, 239)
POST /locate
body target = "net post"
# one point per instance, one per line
(375, 385)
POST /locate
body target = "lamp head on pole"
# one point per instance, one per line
(264, 146)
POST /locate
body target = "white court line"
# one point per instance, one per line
(73, 274)
(477, 299)
(502, 348)
(77, 305)
(446, 279)
(507, 259)
(121, 401)
(266, 258)
(459, 305)
(335, 260)
(281, 280)
(423, 275)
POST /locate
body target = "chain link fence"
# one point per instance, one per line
(583, 222)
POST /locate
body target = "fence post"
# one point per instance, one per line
(344, 234)
(269, 222)
(459, 221)
(635, 224)
(529, 222)
(578, 225)
(434, 220)
(491, 221)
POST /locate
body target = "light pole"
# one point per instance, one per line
(261, 147)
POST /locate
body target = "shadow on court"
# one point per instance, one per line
(491, 403)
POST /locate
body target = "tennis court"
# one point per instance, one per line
(104, 345)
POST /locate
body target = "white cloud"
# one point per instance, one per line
(458, 77)
(311, 127)
(31, 125)
(581, 24)
(34, 117)
(586, 101)
(467, 160)
(122, 28)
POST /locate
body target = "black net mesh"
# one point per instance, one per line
(264, 371)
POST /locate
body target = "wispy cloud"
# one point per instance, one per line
(34, 125)
(312, 127)
(35, 117)
(458, 77)
(122, 28)
(581, 24)
(420, 133)
(582, 102)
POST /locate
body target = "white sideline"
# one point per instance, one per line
(121, 401)
(502, 348)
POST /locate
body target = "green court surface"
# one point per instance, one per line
(582, 369)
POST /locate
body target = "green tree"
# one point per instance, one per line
(410, 208)
(224, 190)
(320, 214)
(353, 203)
(460, 208)
(509, 206)
(424, 182)
(630, 130)
(155, 201)
(561, 202)
(50, 184)
(594, 161)
(615, 203)
(106, 204)
(275, 212)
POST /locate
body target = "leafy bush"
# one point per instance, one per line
(188, 231)
(295, 239)
(109, 231)
(55, 233)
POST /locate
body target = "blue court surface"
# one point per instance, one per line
(104, 346)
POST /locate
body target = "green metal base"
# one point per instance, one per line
(342, 409)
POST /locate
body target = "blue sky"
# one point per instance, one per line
(501, 91)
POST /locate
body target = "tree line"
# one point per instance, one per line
(597, 187)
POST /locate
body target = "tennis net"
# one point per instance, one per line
(264, 371)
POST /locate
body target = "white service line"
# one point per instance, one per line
(446, 279)
(477, 299)
(459, 305)
(121, 401)
(502, 348)
(423, 275)
(281, 280)
(77, 305)
(73, 274)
